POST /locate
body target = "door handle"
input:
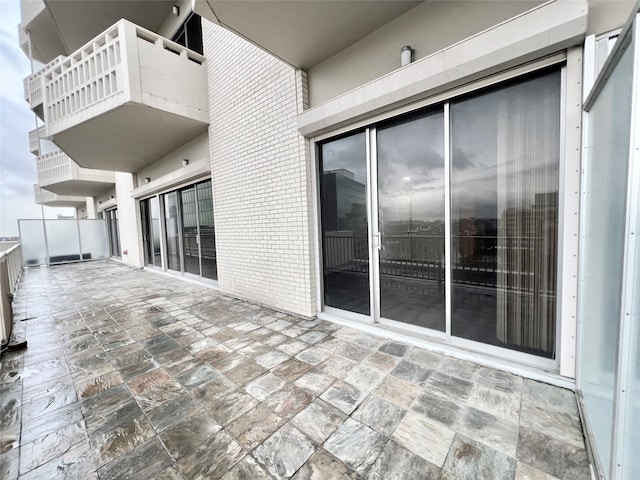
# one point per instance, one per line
(378, 241)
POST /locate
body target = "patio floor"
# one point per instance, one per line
(135, 375)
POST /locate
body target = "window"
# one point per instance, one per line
(464, 238)
(189, 35)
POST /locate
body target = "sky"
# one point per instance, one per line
(17, 164)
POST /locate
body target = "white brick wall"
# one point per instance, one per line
(261, 175)
(129, 220)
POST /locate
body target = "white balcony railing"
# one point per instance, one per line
(34, 84)
(34, 139)
(123, 64)
(58, 168)
(54, 166)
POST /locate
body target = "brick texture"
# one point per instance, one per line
(261, 175)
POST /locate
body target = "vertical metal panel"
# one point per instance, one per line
(623, 404)
(374, 227)
(569, 214)
(447, 219)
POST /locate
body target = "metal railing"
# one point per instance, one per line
(476, 260)
(10, 271)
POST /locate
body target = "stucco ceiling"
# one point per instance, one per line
(303, 33)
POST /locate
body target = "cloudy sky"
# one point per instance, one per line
(17, 165)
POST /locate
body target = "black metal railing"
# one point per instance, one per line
(475, 260)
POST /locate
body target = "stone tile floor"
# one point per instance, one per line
(135, 375)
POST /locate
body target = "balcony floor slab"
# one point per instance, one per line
(200, 384)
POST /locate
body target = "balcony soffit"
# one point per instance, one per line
(127, 138)
(78, 188)
(64, 26)
(303, 33)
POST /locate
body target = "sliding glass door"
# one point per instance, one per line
(410, 172)
(172, 230)
(150, 211)
(460, 205)
(207, 242)
(180, 222)
(114, 232)
(345, 241)
(505, 151)
(190, 234)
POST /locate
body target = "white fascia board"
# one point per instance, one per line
(541, 31)
(192, 171)
(111, 203)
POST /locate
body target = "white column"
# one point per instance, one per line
(129, 220)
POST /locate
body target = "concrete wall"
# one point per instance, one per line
(261, 175)
(195, 150)
(172, 22)
(429, 27)
(129, 220)
(606, 15)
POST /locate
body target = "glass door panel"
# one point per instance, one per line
(114, 234)
(172, 230)
(156, 246)
(505, 149)
(147, 231)
(345, 243)
(411, 220)
(190, 240)
(207, 236)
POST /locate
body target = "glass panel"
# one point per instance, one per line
(116, 229)
(114, 233)
(94, 239)
(601, 269)
(34, 249)
(411, 219)
(631, 420)
(504, 213)
(146, 232)
(171, 224)
(207, 235)
(154, 203)
(62, 239)
(345, 245)
(190, 231)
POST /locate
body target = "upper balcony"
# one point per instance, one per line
(59, 28)
(50, 199)
(125, 99)
(34, 88)
(59, 174)
(34, 140)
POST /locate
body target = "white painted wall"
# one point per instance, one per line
(129, 220)
(196, 150)
(261, 175)
(429, 27)
(605, 15)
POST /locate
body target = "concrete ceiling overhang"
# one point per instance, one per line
(303, 33)
(127, 138)
(63, 26)
(80, 188)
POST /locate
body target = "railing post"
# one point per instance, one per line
(131, 82)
